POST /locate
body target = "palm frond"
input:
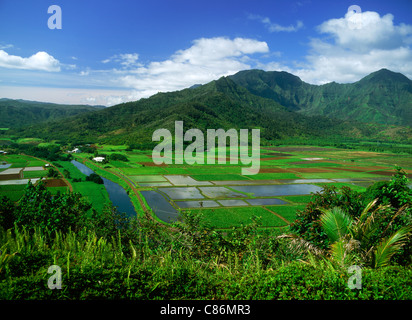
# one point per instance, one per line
(366, 210)
(343, 251)
(400, 210)
(336, 223)
(298, 244)
(391, 245)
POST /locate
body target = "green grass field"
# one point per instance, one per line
(235, 217)
(14, 192)
(277, 165)
(294, 159)
(34, 174)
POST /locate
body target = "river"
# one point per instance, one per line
(117, 194)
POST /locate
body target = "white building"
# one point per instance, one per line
(98, 159)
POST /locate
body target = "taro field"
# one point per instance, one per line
(17, 170)
(287, 178)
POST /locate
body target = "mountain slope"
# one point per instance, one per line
(382, 97)
(218, 104)
(19, 113)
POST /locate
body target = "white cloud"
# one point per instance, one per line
(127, 60)
(365, 30)
(39, 61)
(206, 60)
(356, 45)
(6, 46)
(274, 27)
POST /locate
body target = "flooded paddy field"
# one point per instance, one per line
(287, 179)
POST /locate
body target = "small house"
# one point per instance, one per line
(98, 159)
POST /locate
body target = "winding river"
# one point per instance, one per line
(117, 194)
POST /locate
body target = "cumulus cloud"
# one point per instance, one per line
(356, 45)
(365, 30)
(39, 61)
(206, 60)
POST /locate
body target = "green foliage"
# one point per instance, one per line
(52, 173)
(370, 234)
(307, 223)
(105, 255)
(224, 103)
(19, 113)
(39, 208)
(6, 212)
(395, 192)
(352, 240)
(336, 223)
(118, 156)
(95, 178)
(372, 99)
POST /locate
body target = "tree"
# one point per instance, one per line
(307, 223)
(6, 213)
(39, 208)
(394, 192)
(95, 178)
(52, 173)
(352, 240)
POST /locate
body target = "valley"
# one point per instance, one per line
(126, 214)
(287, 178)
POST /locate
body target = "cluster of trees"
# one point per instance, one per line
(107, 255)
(95, 178)
(49, 152)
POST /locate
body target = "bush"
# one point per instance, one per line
(395, 192)
(307, 223)
(118, 156)
(95, 178)
(39, 208)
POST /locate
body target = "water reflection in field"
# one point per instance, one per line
(278, 190)
(161, 207)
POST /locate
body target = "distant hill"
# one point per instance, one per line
(20, 113)
(277, 103)
(383, 97)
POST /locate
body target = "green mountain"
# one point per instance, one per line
(19, 113)
(221, 103)
(382, 97)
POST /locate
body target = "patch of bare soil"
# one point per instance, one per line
(273, 170)
(152, 164)
(312, 170)
(54, 183)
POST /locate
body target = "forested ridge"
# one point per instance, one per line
(279, 104)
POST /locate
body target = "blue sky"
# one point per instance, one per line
(109, 52)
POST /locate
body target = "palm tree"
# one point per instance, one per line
(353, 241)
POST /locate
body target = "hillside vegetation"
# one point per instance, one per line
(279, 104)
(106, 256)
(382, 97)
(20, 113)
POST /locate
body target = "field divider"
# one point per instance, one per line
(57, 169)
(276, 214)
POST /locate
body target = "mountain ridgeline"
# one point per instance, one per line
(280, 104)
(382, 97)
(20, 113)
